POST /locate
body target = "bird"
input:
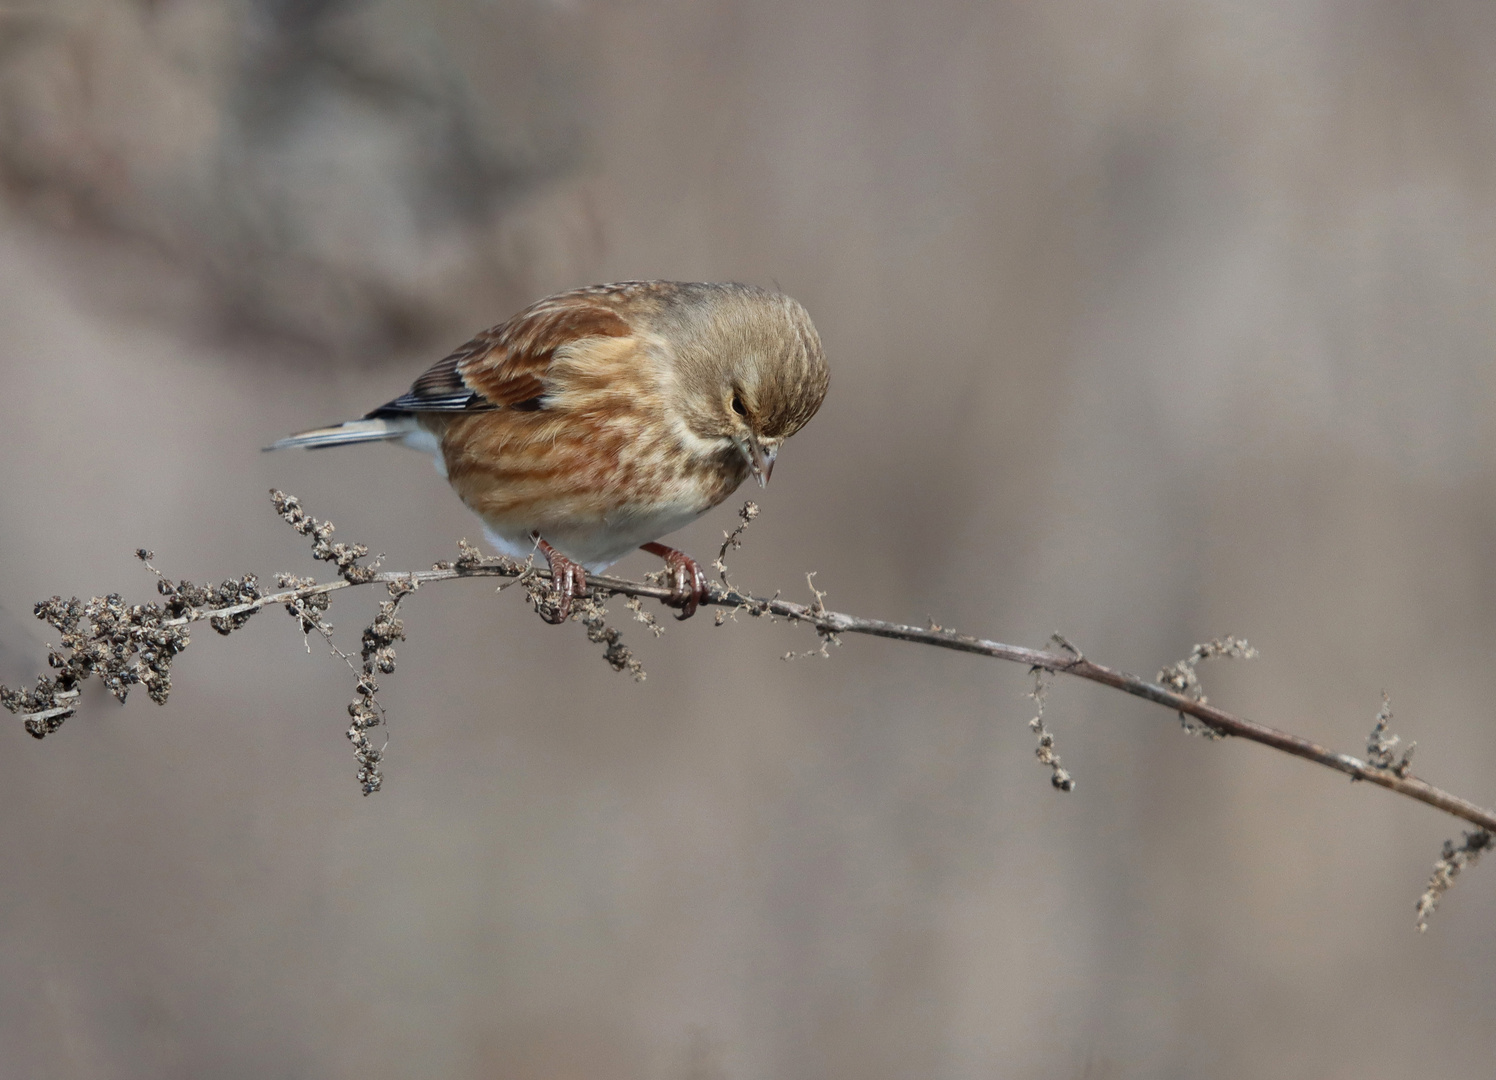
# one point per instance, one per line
(598, 420)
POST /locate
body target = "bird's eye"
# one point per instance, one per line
(737, 404)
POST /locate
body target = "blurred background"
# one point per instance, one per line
(1148, 321)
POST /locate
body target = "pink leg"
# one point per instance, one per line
(567, 578)
(686, 579)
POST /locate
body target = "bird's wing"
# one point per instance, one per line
(505, 367)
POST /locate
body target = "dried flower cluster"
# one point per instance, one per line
(129, 645)
(1380, 744)
(618, 655)
(125, 645)
(1045, 752)
(1451, 862)
(1182, 677)
(377, 654)
(345, 556)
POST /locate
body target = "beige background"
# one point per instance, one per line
(1148, 322)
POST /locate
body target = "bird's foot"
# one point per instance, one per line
(568, 580)
(687, 582)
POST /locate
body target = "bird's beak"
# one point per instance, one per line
(760, 461)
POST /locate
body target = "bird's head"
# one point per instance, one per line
(751, 367)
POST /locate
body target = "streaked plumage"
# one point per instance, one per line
(600, 419)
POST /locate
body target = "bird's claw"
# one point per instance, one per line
(687, 581)
(567, 578)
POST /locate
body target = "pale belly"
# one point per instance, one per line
(596, 545)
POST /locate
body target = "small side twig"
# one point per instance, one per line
(733, 541)
(345, 556)
(1045, 751)
(1380, 743)
(376, 654)
(1182, 678)
(1451, 862)
(827, 636)
(618, 655)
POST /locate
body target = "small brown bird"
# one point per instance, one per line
(598, 420)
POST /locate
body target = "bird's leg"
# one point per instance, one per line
(567, 577)
(687, 581)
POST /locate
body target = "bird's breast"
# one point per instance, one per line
(595, 482)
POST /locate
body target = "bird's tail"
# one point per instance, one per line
(380, 429)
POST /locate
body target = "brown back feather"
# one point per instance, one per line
(506, 365)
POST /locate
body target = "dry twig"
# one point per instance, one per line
(1045, 752)
(1451, 862)
(129, 645)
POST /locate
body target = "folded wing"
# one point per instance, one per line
(501, 368)
(505, 367)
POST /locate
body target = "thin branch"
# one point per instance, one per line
(136, 645)
(834, 622)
